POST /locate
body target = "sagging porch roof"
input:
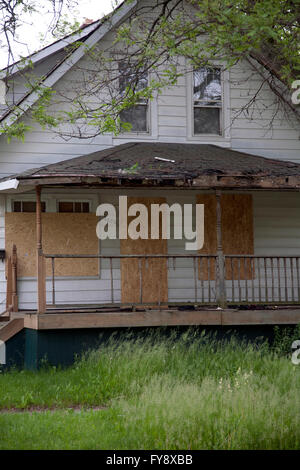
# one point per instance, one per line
(168, 164)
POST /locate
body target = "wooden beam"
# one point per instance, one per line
(9, 284)
(41, 272)
(14, 280)
(58, 321)
(221, 292)
(12, 328)
(132, 319)
(238, 181)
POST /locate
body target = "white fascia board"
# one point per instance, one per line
(48, 50)
(73, 59)
(9, 184)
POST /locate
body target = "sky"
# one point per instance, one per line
(35, 26)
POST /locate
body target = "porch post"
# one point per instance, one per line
(14, 280)
(41, 275)
(220, 278)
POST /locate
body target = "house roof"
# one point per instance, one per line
(56, 46)
(193, 165)
(90, 34)
(94, 32)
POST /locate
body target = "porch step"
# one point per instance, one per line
(11, 328)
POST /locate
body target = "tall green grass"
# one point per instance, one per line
(161, 393)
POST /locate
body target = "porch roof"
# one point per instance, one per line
(167, 164)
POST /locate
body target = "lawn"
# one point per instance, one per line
(157, 393)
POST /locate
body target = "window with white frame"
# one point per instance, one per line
(26, 206)
(207, 101)
(135, 80)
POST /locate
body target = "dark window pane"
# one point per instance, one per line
(65, 207)
(28, 206)
(73, 207)
(17, 206)
(77, 207)
(207, 85)
(131, 76)
(85, 207)
(207, 121)
(137, 117)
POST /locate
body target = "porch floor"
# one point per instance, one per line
(93, 317)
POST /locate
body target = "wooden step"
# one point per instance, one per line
(11, 328)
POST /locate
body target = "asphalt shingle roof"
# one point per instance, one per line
(143, 160)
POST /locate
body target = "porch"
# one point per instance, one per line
(222, 290)
(218, 280)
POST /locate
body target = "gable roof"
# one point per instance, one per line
(97, 32)
(190, 165)
(89, 35)
(50, 49)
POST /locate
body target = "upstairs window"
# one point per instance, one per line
(72, 206)
(27, 206)
(137, 115)
(207, 101)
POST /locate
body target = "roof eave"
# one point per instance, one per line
(237, 182)
(59, 71)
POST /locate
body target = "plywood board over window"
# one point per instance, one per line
(237, 233)
(62, 234)
(154, 272)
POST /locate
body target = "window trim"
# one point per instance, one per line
(225, 136)
(73, 200)
(23, 198)
(152, 129)
(22, 201)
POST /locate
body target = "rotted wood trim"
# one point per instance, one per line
(200, 182)
(58, 321)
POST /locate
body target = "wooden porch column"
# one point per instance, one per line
(41, 274)
(14, 280)
(220, 278)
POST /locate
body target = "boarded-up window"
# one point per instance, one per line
(62, 234)
(237, 233)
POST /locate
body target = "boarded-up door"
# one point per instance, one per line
(144, 280)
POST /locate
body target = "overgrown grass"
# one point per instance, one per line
(192, 393)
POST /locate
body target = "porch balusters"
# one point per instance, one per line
(215, 279)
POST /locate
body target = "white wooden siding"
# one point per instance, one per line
(2, 246)
(249, 131)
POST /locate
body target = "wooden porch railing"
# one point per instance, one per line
(220, 280)
(12, 284)
(262, 279)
